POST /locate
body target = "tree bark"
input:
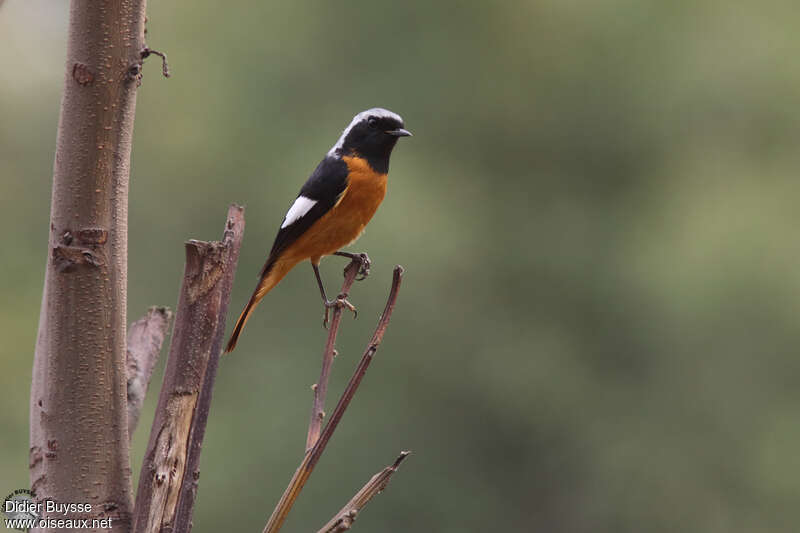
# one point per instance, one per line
(78, 435)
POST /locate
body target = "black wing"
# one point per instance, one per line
(325, 185)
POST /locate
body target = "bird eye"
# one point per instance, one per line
(373, 122)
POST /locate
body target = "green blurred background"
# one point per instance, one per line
(597, 216)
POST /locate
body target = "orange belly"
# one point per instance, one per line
(345, 222)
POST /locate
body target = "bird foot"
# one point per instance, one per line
(340, 301)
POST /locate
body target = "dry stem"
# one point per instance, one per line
(312, 456)
(321, 387)
(347, 515)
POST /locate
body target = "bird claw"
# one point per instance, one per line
(363, 266)
(340, 301)
(361, 258)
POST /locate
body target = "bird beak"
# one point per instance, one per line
(399, 132)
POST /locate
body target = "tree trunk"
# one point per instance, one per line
(78, 435)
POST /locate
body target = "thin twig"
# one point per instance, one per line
(347, 515)
(312, 456)
(168, 479)
(164, 66)
(145, 337)
(320, 388)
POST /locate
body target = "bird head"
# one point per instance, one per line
(372, 135)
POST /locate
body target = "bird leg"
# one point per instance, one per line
(363, 260)
(340, 301)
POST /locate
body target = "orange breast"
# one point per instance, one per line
(345, 222)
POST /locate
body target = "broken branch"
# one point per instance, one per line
(168, 480)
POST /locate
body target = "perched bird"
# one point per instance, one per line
(333, 207)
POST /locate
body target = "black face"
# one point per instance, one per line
(373, 139)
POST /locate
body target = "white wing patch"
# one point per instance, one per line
(299, 208)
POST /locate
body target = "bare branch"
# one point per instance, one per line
(168, 480)
(321, 387)
(312, 456)
(145, 337)
(347, 515)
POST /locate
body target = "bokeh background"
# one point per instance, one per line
(598, 217)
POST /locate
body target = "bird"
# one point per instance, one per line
(333, 206)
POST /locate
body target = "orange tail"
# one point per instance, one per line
(240, 322)
(271, 278)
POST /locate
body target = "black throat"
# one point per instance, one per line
(377, 157)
